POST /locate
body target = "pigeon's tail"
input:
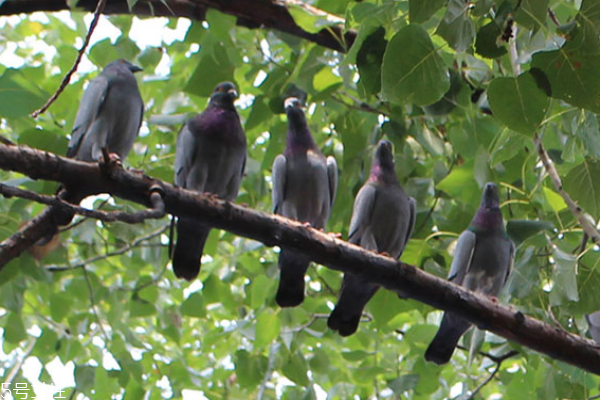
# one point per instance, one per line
(293, 266)
(354, 297)
(441, 348)
(191, 237)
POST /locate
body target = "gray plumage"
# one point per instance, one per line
(109, 115)
(304, 186)
(383, 219)
(210, 158)
(482, 262)
(593, 321)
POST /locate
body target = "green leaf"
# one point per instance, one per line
(14, 330)
(296, 369)
(19, 95)
(261, 286)
(457, 27)
(193, 306)
(141, 308)
(519, 230)
(85, 377)
(564, 276)
(60, 306)
(582, 183)
(486, 44)
(268, 326)
(214, 63)
(404, 383)
(369, 59)
(422, 10)
(572, 71)
(532, 14)
(384, 306)
(356, 355)
(412, 71)
(555, 201)
(518, 102)
(249, 369)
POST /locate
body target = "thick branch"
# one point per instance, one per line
(253, 14)
(321, 247)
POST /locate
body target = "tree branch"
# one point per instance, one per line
(586, 223)
(67, 77)
(252, 14)
(485, 313)
(499, 362)
(156, 212)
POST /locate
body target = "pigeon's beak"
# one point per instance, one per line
(135, 68)
(233, 93)
(490, 196)
(291, 102)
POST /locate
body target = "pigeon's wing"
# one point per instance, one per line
(89, 106)
(511, 261)
(278, 177)
(184, 156)
(463, 254)
(413, 217)
(593, 321)
(363, 209)
(332, 175)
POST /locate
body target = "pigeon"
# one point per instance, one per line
(304, 187)
(210, 158)
(383, 219)
(110, 114)
(482, 262)
(593, 321)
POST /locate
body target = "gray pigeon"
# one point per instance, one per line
(210, 158)
(304, 186)
(593, 321)
(482, 262)
(109, 115)
(383, 219)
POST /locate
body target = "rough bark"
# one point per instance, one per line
(80, 178)
(253, 14)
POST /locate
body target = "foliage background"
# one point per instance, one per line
(461, 105)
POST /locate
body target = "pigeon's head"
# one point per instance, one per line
(384, 155)
(294, 112)
(383, 169)
(224, 94)
(490, 199)
(122, 64)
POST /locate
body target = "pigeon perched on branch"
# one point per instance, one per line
(383, 219)
(304, 186)
(109, 115)
(210, 158)
(482, 262)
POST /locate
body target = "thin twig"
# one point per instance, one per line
(553, 17)
(270, 367)
(14, 371)
(93, 303)
(494, 372)
(6, 141)
(81, 220)
(359, 105)
(117, 252)
(307, 324)
(586, 223)
(156, 212)
(69, 75)
(492, 357)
